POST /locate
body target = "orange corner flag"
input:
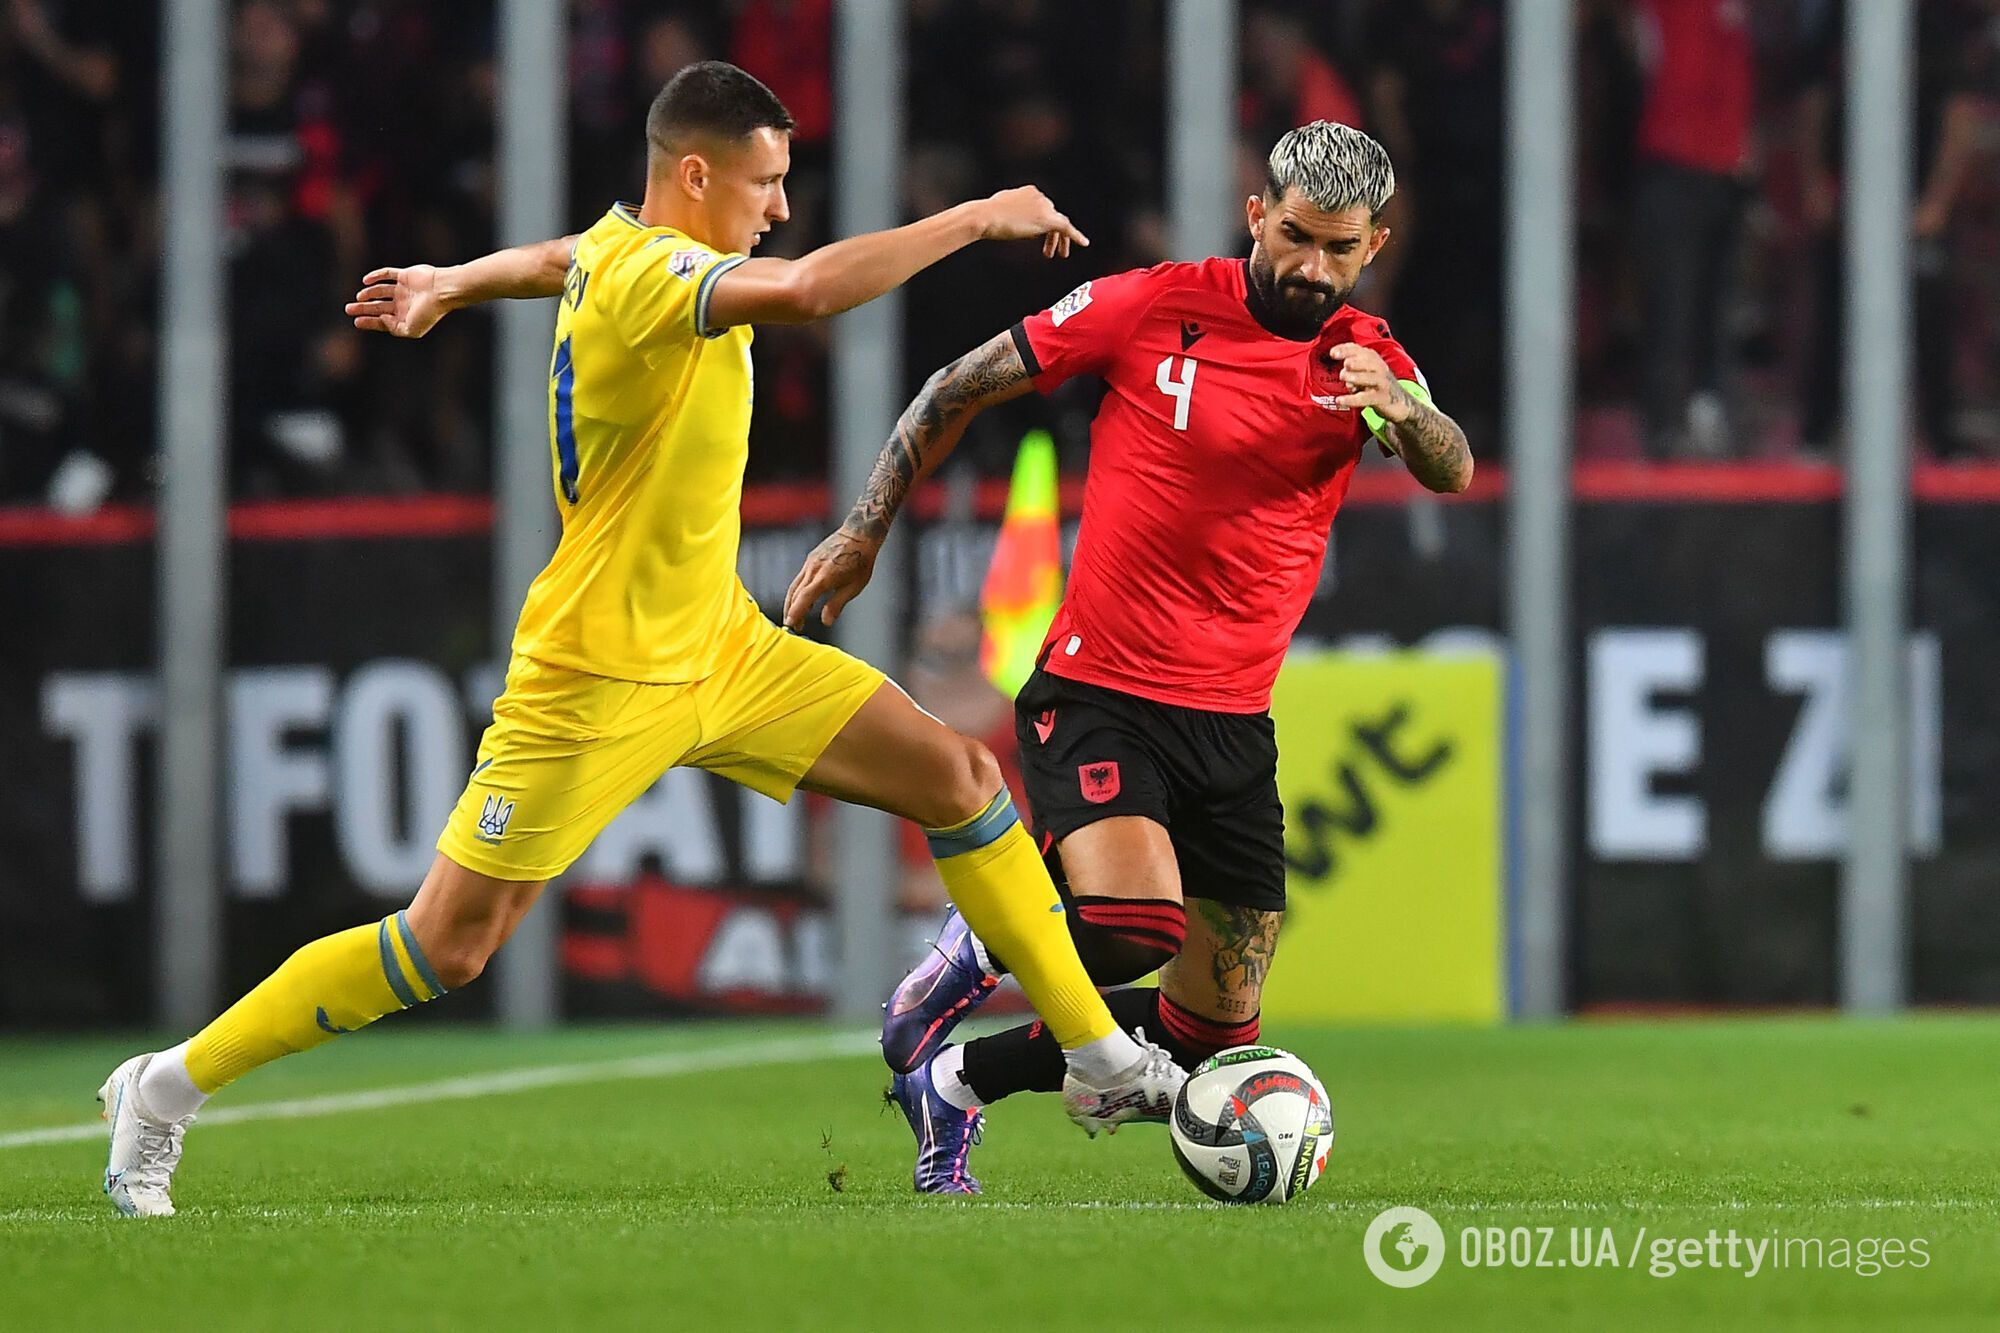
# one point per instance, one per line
(1024, 583)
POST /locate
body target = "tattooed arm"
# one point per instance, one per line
(1431, 444)
(930, 427)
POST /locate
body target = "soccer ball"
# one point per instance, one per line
(1252, 1125)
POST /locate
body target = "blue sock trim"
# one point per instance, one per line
(982, 830)
(392, 969)
(417, 959)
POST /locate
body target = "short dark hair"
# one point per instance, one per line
(716, 98)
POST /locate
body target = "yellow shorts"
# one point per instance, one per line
(568, 750)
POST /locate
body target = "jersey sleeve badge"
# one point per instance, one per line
(1069, 305)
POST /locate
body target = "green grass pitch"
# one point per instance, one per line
(691, 1197)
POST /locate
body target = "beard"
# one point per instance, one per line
(1293, 308)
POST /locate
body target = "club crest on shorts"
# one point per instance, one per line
(493, 817)
(1100, 781)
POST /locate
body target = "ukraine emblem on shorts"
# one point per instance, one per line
(493, 817)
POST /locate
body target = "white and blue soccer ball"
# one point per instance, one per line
(1252, 1125)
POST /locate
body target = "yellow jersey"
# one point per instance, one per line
(649, 422)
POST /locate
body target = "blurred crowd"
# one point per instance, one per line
(1713, 142)
(361, 132)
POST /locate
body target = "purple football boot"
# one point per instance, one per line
(945, 1134)
(946, 986)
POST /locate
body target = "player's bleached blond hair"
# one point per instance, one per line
(1334, 165)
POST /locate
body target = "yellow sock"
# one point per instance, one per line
(992, 871)
(331, 986)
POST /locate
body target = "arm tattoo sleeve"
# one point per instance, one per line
(1432, 447)
(930, 426)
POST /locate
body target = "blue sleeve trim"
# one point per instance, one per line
(705, 290)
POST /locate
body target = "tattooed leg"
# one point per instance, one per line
(1207, 1001)
(1219, 975)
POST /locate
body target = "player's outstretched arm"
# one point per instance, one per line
(855, 271)
(930, 427)
(408, 302)
(1430, 443)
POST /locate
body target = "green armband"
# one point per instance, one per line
(1376, 425)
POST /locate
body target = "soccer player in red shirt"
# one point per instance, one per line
(1239, 397)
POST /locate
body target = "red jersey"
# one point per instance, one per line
(1700, 86)
(1216, 465)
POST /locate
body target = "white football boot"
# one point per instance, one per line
(144, 1152)
(1145, 1092)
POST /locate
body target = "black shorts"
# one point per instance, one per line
(1211, 779)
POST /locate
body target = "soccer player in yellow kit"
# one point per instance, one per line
(638, 648)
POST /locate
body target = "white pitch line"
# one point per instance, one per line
(821, 1209)
(1650, 1206)
(786, 1051)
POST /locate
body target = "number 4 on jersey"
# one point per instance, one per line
(1179, 388)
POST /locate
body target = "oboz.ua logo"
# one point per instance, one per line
(1404, 1247)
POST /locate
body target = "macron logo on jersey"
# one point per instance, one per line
(1070, 305)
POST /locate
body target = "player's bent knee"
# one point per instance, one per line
(968, 779)
(461, 917)
(1123, 939)
(459, 963)
(460, 951)
(979, 777)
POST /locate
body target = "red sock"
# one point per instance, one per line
(1189, 1034)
